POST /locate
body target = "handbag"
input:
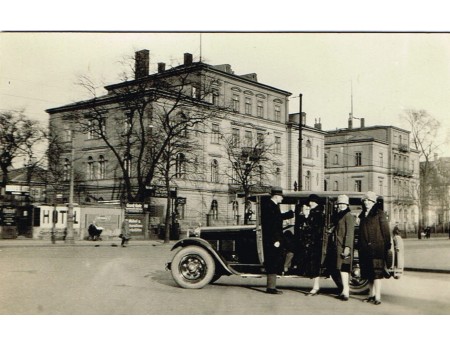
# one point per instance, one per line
(389, 260)
(389, 257)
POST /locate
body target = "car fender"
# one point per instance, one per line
(207, 246)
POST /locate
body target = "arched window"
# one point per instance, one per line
(336, 185)
(325, 160)
(127, 163)
(90, 168)
(66, 170)
(308, 180)
(214, 171)
(308, 149)
(277, 177)
(260, 174)
(336, 159)
(234, 172)
(235, 209)
(180, 166)
(101, 167)
(214, 209)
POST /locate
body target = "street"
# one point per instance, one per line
(107, 280)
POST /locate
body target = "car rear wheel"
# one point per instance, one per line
(193, 267)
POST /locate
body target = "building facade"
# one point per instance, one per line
(378, 159)
(249, 115)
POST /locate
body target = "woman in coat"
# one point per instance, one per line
(125, 233)
(340, 255)
(311, 242)
(374, 242)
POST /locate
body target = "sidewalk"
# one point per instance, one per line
(426, 255)
(28, 242)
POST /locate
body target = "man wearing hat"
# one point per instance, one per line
(272, 232)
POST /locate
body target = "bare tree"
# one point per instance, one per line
(58, 166)
(424, 129)
(251, 166)
(179, 161)
(18, 138)
(439, 183)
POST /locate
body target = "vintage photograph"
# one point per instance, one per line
(224, 173)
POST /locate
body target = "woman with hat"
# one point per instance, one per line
(374, 242)
(312, 242)
(340, 253)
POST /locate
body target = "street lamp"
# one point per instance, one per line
(300, 139)
(69, 236)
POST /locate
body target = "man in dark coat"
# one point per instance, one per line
(272, 232)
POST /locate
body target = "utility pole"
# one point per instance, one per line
(300, 139)
(69, 236)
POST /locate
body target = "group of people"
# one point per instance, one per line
(310, 251)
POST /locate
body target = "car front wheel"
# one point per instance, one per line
(357, 284)
(193, 267)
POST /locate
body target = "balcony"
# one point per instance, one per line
(403, 148)
(403, 172)
(403, 200)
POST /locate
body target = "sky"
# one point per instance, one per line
(384, 73)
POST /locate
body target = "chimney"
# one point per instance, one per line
(318, 125)
(142, 61)
(362, 122)
(187, 58)
(161, 67)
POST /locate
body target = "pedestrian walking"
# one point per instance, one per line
(374, 244)
(125, 232)
(399, 262)
(272, 232)
(340, 254)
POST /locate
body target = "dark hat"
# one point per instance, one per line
(276, 191)
(315, 198)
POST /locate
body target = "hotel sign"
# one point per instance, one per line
(14, 189)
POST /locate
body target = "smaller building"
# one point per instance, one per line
(378, 159)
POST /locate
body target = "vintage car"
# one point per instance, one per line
(208, 253)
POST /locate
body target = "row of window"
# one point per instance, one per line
(357, 186)
(358, 159)
(248, 107)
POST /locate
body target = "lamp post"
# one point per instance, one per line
(69, 236)
(300, 139)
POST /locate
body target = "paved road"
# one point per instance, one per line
(108, 280)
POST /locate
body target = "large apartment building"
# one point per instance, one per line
(247, 114)
(378, 159)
